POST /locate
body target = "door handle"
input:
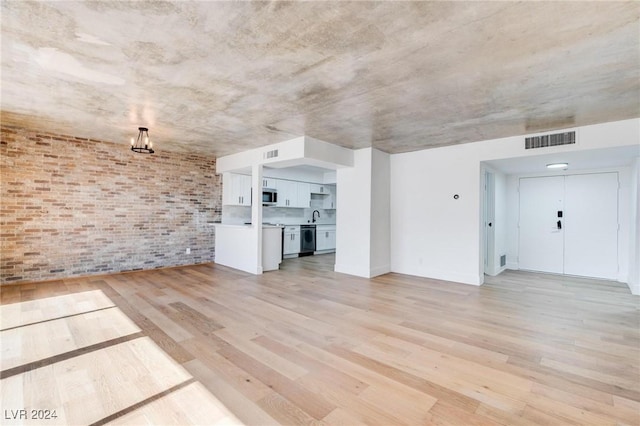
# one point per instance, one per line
(559, 224)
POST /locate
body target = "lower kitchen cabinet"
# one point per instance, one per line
(325, 237)
(291, 243)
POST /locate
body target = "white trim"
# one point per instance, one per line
(380, 270)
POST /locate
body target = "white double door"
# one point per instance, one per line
(569, 225)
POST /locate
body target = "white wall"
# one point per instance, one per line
(380, 211)
(363, 237)
(433, 235)
(624, 219)
(353, 220)
(499, 224)
(634, 234)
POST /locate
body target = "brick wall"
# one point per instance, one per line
(73, 206)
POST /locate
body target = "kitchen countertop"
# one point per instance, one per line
(270, 225)
(305, 223)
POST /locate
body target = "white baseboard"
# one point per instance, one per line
(380, 270)
(443, 275)
(513, 266)
(350, 270)
(498, 272)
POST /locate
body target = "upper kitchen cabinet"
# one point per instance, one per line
(318, 189)
(329, 201)
(236, 190)
(293, 194)
(323, 196)
(269, 183)
(304, 196)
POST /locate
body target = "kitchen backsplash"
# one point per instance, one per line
(242, 214)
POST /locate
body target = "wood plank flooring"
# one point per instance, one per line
(306, 345)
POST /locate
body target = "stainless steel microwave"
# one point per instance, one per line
(269, 197)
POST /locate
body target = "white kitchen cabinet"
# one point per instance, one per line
(236, 190)
(287, 192)
(291, 243)
(293, 194)
(268, 183)
(315, 188)
(304, 195)
(329, 201)
(325, 237)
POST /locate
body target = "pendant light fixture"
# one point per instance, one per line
(142, 145)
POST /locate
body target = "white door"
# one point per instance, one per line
(569, 225)
(591, 231)
(541, 240)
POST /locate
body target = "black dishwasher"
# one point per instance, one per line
(307, 240)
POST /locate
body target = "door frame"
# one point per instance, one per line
(488, 222)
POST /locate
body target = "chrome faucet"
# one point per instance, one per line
(313, 216)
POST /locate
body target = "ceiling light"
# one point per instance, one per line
(557, 165)
(142, 145)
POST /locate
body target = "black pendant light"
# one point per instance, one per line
(142, 145)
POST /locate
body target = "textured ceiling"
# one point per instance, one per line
(222, 77)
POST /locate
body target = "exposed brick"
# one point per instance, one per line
(77, 206)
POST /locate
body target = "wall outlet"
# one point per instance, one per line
(187, 251)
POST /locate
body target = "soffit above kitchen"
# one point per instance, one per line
(217, 78)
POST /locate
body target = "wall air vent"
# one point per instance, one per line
(503, 260)
(271, 154)
(555, 139)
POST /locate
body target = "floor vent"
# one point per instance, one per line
(555, 139)
(503, 260)
(271, 154)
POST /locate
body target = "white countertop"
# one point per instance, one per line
(271, 225)
(232, 225)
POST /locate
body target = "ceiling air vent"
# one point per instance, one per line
(271, 154)
(555, 139)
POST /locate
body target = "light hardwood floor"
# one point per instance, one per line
(308, 345)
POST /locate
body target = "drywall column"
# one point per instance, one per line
(634, 240)
(362, 240)
(380, 239)
(353, 219)
(256, 213)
